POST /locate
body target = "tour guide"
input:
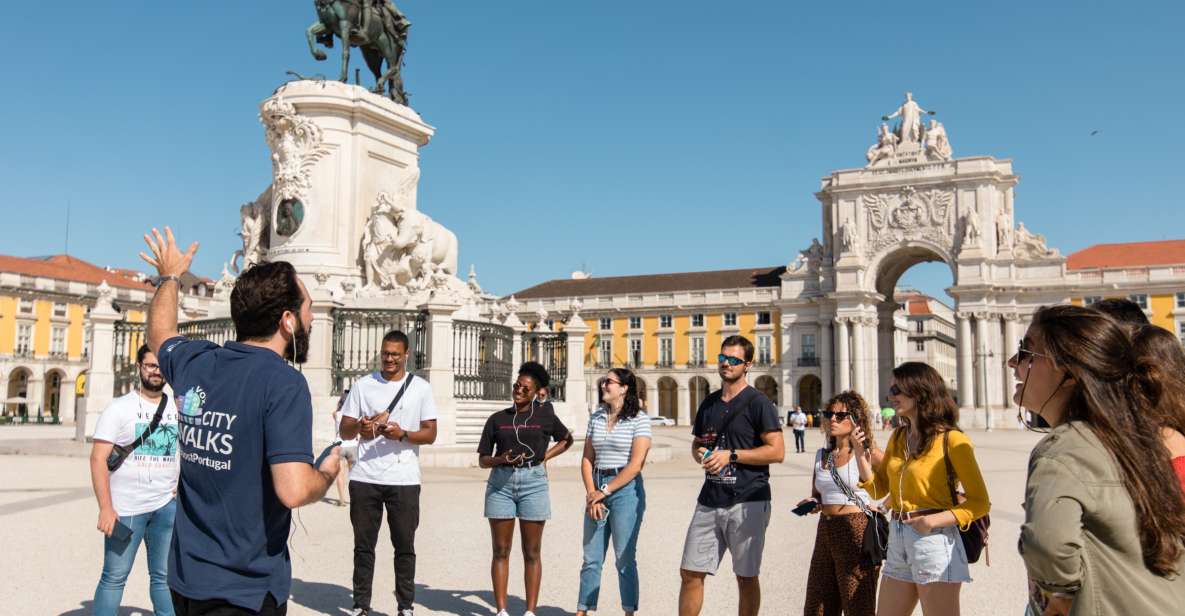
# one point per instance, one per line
(245, 438)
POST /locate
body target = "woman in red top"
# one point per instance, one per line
(1160, 355)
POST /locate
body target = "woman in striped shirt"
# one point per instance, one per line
(615, 449)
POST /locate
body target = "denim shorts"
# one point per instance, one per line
(922, 559)
(518, 492)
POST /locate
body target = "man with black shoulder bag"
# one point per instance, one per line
(134, 470)
(392, 413)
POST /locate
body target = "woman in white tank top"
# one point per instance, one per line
(838, 582)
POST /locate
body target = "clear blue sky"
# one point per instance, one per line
(625, 137)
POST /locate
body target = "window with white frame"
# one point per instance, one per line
(666, 351)
(765, 350)
(57, 342)
(764, 318)
(808, 345)
(1181, 331)
(921, 345)
(730, 319)
(665, 321)
(697, 350)
(635, 322)
(1091, 299)
(606, 357)
(24, 338)
(1181, 299)
(635, 352)
(606, 324)
(697, 320)
(1140, 299)
(26, 306)
(59, 309)
(549, 323)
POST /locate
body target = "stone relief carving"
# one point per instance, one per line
(1031, 245)
(403, 248)
(296, 144)
(909, 214)
(937, 145)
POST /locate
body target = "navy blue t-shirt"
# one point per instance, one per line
(240, 408)
(755, 416)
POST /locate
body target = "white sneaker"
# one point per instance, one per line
(406, 613)
(503, 613)
(529, 613)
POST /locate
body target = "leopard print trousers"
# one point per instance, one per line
(837, 582)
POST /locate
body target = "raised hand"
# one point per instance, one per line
(166, 257)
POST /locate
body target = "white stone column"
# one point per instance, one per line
(100, 379)
(1010, 338)
(859, 357)
(439, 329)
(574, 387)
(966, 367)
(652, 395)
(843, 364)
(684, 401)
(318, 370)
(826, 366)
(982, 393)
(36, 393)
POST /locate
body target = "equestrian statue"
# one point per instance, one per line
(376, 26)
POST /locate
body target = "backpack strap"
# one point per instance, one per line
(951, 477)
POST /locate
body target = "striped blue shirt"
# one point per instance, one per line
(612, 448)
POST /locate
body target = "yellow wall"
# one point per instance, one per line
(42, 310)
(1162, 310)
(681, 324)
(74, 336)
(649, 340)
(713, 323)
(7, 323)
(621, 351)
(620, 334)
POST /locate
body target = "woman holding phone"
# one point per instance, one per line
(839, 582)
(515, 447)
(615, 449)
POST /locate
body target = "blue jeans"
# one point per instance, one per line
(622, 523)
(156, 529)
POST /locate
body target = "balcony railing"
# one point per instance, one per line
(808, 362)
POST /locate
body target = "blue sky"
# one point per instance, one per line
(622, 137)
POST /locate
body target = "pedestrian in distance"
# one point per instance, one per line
(798, 425)
(926, 559)
(245, 428)
(886, 415)
(840, 581)
(736, 438)
(349, 453)
(514, 445)
(615, 448)
(137, 434)
(391, 411)
(1104, 529)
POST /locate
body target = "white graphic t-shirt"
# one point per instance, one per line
(381, 460)
(148, 476)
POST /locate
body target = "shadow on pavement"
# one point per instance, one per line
(329, 599)
(88, 608)
(474, 602)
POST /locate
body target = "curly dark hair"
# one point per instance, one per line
(537, 372)
(936, 409)
(632, 405)
(855, 404)
(261, 296)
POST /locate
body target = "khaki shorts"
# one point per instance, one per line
(740, 529)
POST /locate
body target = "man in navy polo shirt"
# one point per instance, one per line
(244, 438)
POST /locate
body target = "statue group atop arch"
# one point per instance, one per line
(911, 140)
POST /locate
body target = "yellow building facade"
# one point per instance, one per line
(1151, 274)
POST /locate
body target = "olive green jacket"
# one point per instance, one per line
(1080, 533)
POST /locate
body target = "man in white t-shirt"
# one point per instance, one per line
(136, 500)
(387, 473)
(798, 424)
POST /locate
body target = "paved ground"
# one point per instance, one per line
(52, 553)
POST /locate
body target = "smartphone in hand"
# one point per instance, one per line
(805, 508)
(121, 532)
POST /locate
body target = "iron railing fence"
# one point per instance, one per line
(358, 338)
(551, 350)
(482, 360)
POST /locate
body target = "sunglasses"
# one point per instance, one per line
(894, 390)
(520, 387)
(607, 381)
(1022, 353)
(729, 359)
(840, 416)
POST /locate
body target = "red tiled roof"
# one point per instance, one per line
(655, 283)
(1130, 254)
(65, 267)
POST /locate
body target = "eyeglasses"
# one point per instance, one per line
(395, 355)
(837, 416)
(1022, 352)
(520, 387)
(151, 367)
(894, 390)
(729, 359)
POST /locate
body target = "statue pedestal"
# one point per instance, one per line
(335, 147)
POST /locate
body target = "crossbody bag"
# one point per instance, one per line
(874, 546)
(119, 454)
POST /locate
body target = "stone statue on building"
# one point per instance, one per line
(404, 248)
(376, 27)
(885, 146)
(971, 232)
(847, 235)
(936, 144)
(910, 129)
(1003, 230)
(254, 233)
(1031, 245)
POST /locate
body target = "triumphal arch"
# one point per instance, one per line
(914, 202)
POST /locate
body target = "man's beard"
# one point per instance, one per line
(734, 379)
(147, 385)
(298, 349)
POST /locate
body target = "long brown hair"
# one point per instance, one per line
(935, 408)
(1110, 395)
(1161, 360)
(855, 404)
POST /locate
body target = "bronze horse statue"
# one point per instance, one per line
(381, 36)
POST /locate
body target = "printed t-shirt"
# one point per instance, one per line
(613, 447)
(798, 421)
(529, 432)
(382, 460)
(241, 408)
(735, 483)
(145, 481)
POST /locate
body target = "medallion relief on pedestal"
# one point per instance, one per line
(297, 144)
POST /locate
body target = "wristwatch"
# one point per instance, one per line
(605, 489)
(732, 456)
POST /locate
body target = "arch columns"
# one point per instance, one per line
(683, 400)
(859, 353)
(843, 361)
(965, 366)
(826, 366)
(1011, 336)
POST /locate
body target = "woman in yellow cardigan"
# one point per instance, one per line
(926, 559)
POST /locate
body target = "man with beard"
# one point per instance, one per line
(136, 499)
(736, 438)
(392, 413)
(245, 421)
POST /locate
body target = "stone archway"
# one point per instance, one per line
(767, 385)
(52, 399)
(697, 390)
(18, 388)
(810, 393)
(668, 392)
